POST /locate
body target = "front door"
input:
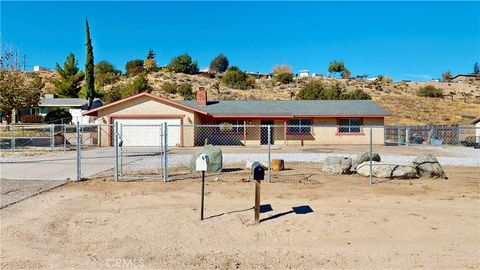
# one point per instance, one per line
(264, 132)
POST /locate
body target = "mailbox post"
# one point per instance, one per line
(258, 174)
(201, 164)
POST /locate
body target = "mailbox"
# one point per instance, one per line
(258, 171)
(201, 163)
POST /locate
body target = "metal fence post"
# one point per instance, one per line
(79, 143)
(121, 150)
(64, 137)
(269, 133)
(162, 170)
(371, 154)
(165, 150)
(52, 135)
(13, 140)
(115, 131)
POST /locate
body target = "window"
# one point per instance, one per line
(300, 125)
(231, 126)
(349, 125)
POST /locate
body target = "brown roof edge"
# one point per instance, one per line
(94, 112)
(476, 120)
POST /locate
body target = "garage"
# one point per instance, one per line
(148, 132)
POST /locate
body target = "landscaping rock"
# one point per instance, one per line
(337, 165)
(362, 157)
(427, 166)
(215, 158)
(277, 165)
(384, 170)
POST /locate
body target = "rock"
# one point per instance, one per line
(338, 165)
(427, 166)
(362, 157)
(385, 170)
(248, 164)
(215, 159)
(277, 165)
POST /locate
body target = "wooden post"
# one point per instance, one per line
(257, 201)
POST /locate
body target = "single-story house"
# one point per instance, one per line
(476, 122)
(466, 78)
(75, 106)
(293, 122)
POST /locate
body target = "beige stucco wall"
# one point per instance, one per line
(145, 106)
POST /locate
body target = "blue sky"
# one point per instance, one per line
(406, 40)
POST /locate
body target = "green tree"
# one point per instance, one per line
(104, 67)
(219, 64)
(283, 74)
(356, 94)
(316, 89)
(346, 74)
(69, 83)
(183, 64)
(235, 78)
(446, 76)
(89, 68)
(150, 63)
(105, 74)
(185, 90)
(336, 66)
(134, 67)
(476, 69)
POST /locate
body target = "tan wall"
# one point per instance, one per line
(146, 106)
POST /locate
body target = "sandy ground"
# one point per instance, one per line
(13, 191)
(427, 223)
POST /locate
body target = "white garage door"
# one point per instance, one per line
(146, 132)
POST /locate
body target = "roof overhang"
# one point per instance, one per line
(294, 116)
(94, 112)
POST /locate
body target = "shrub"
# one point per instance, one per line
(57, 115)
(185, 90)
(31, 118)
(447, 76)
(283, 74)
(235, 78)
(183, 64)
(113, 94)
(356, 94)
(134, 67)
(318, 90)
(430, 91)
(169, 87)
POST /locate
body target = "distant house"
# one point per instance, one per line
(259, 75)
(294, 122)
(75, 106)
(476, 122)
(39, 68)
(303, 73)
(465, 78)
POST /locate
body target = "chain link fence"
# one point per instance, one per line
(166, 152)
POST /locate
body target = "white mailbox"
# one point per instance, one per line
(201, 163)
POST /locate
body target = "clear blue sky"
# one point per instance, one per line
(407, 40)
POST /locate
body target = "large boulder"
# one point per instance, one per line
(215, 159)
(363, 157)
(337, 165)
(427, 166)
(385, 170)
(277, 165)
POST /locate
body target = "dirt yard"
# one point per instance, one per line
(424, 223)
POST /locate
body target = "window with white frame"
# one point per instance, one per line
(300, 125)
(233, 126)
(349, 125)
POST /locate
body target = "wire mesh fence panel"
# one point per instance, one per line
(96, 154)
(17, 137)
(140, 151)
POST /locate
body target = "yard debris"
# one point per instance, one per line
(362, 157)
(337, 165)
(385, 170)
(427, 166)
(215, 158)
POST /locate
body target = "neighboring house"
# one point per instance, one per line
(39, 68)
(295, 121)
(303, 74)
(75, 106)
(476, 122)
(466, 78)
(258, 75)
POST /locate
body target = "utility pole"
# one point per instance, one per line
(24, 62)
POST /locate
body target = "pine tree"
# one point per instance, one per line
(150, 63)
(69, 83)
(89, 69)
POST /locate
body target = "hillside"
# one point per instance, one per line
(398, 98)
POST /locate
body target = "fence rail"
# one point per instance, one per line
(163, 152)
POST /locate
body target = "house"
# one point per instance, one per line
(465, 78)
(303, 74)
(476, 122)
(294, 122)
(39, 68)
(259, 75)
(75, 106)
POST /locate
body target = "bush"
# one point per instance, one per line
(113, 94)
(430, 91)
(169, 87)
(283, 74)
(134, 67)
(31, 118)
(318, 90)
(235, 78)
(356, 94)
(57, 115)
(185, 90)
(183, 64)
